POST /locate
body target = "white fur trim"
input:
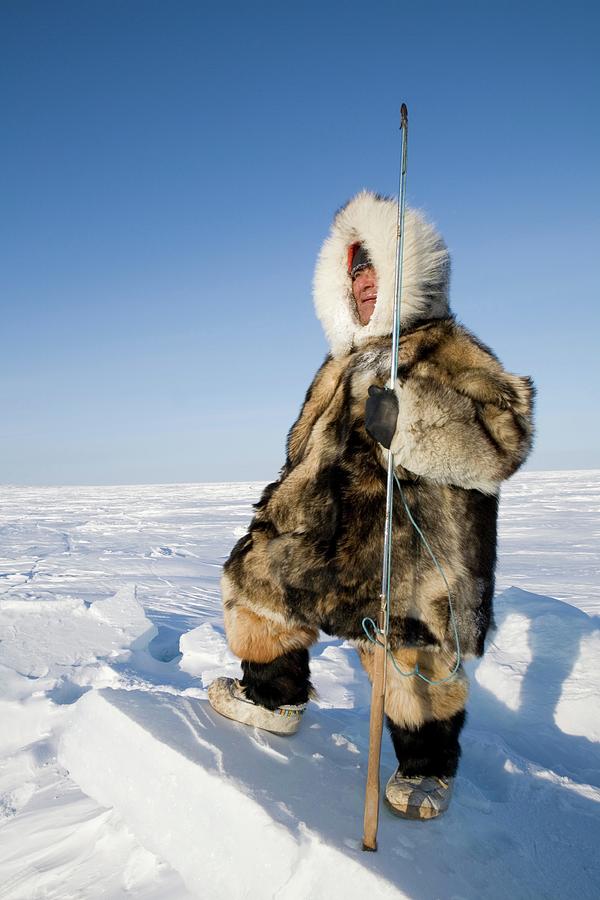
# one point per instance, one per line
(372, 221)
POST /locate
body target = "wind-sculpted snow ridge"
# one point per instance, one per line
(118, 780)
(53, 649)
(237, 814)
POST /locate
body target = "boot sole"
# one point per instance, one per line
(230, 707)
(252, 724)
(414, 813)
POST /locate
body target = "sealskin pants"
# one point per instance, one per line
(424, 720)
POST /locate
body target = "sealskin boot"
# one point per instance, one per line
(228, 697)
(418, 796)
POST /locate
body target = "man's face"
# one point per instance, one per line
(364, 290)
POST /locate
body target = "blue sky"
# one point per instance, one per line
(170, 169)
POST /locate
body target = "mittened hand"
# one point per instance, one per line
(381, 414)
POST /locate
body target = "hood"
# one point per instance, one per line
(372, 220)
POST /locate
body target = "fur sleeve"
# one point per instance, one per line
(471, 427)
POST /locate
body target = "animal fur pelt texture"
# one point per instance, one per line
(313, 553)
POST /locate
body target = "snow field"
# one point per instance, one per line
(118, 780)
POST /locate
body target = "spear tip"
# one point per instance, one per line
(403, 115)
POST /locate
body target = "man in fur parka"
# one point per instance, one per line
(458, 425)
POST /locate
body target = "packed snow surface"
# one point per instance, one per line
(118, 780)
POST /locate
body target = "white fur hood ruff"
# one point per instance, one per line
(372, 220)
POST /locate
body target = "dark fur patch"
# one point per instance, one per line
(433, 749)
(284, 681)
(409, 632)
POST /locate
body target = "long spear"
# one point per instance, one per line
(371, 819)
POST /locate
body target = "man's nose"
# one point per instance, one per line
(368, 280)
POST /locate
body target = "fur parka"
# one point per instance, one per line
(312, 557)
